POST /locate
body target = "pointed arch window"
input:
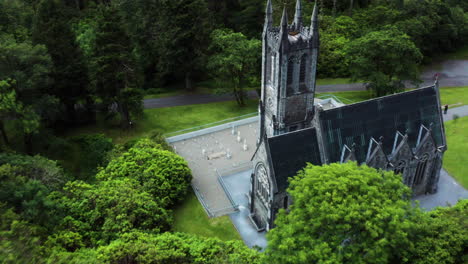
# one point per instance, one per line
(302, 73)
(420, 170)
(290, 76)
(268, 69)
(263, 185)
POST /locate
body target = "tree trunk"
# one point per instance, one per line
(71, 112)
(334, 8)
(124, 115)
(28, 143)
(351, 5)
(236, 95)
(90, 111)
(4, 134)
(188, 81)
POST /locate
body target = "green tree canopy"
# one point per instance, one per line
(114, 72)
(162, 173)
(343, 213)
(37, 168)
(235, 62)
(28, 197)
(384, 59)
(440, 236)
(138, 247)
(98, 213)
(69, 72)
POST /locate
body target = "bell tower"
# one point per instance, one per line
(289, 63)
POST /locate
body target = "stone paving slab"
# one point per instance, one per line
(196, 150)
(449, 193)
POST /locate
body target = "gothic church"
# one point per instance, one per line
(402, 132)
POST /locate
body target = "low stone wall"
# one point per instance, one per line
(211, 129)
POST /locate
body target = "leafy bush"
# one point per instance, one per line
(37, 168)
(26, 196)
(163, 174)
(138, 247)
(20, 241)
(99, 213)
(158, 138)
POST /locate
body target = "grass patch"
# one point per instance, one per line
(164, 94)
(168, 119)
(190, 217)
(454, 96)
(455, 158)
(330, 81)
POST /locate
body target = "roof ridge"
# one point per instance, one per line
(385, 96)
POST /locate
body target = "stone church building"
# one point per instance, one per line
(402, 132)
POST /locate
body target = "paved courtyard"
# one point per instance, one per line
(220, 150)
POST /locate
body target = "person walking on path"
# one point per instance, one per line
(445, 109)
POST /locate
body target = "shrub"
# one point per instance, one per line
(37, 168)
(162, 173)
(99, 213)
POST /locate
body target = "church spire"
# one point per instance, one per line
(297, 24)
(269, 14)
(314, 30)
(284, 18)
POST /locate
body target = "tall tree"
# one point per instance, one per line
(235, 62)
(114, 69)
(183, 22)
(384, 59)
(13, 110)
(343, 213)
(69, 72)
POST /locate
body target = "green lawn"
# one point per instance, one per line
(190, 217)
(169, 119)
(455, 159)
(454, 96)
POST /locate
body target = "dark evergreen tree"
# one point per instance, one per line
(113, 66)
(70, 73)
(184, 35)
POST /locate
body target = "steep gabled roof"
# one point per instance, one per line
(290, 152)
(381, 117)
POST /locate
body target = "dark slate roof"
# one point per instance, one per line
(289, 153)
(381, 117)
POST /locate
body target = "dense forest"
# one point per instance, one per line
(86, 199)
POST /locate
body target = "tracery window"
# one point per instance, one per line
(421, 169)
(263, 185)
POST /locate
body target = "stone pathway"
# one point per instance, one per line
(449, 193)
(459, 111)
(238, 185)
